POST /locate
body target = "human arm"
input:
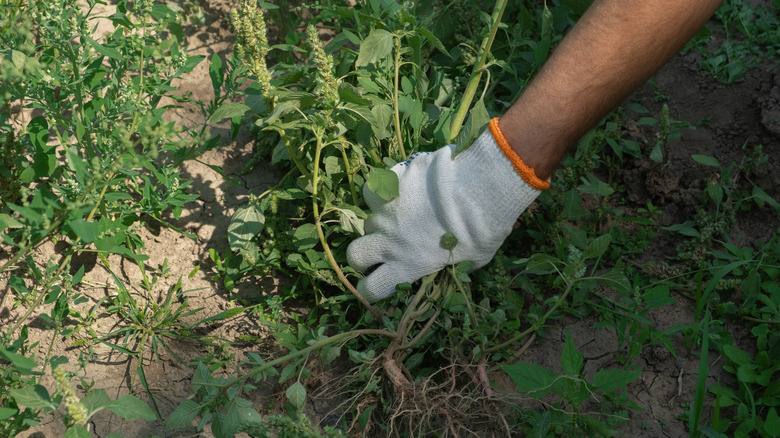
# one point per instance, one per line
(613, 49)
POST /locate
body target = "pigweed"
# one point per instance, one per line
(88, 161)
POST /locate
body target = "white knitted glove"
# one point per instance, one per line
(477, 196)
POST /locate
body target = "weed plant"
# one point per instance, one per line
(400, 78)
(750, 37)
(88, 161)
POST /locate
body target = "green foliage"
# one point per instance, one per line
(573, 391)
(737, 282)
(750, 36)
(94, 164)
(79, 410)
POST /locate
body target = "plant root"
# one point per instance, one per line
(445, 404)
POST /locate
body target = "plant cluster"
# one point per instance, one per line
(750, 37)
(88, 161)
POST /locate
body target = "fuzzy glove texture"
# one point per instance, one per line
(477, 196)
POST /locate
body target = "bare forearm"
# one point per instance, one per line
(615, 47)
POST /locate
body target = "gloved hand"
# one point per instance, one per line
(477, 196)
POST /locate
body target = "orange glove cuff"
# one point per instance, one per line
(525, 172)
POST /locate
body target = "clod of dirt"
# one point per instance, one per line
(661, 183)
(769, 103)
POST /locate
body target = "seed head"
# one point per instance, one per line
(77, 412)
(251, 41)
(329, 85)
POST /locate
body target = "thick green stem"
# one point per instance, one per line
(331, 259)
(399, 141)
(350, 176)
(476, 74)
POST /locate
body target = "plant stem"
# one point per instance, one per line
(350, 176)
(398, 134)
(341, 337)
(536, 326)
(317, 223)
(476, 74)
(434, 296)
(412, 311)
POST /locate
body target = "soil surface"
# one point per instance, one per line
(742, 113)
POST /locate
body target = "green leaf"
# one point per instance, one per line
(610, 380)
(225, 314)
(96, 400)
(350, 93)
(598, 428)
(117, 196)
(572, 206)
(706, 160)
(597, 247)
(21, 362)
(227, 111)
(131, 407)
(77, 164)
(245, 413)
(182, 416)
(541, 426)
(772, 423)
(86, 231)
(383, 115)
(7, 221)
(217, 73)
(577, 6)
(571, 358)
(288, 372)
(530, 378)
(77, 432)
(760, 197)
(657, 154)
(201, 378)
(363, 112)
(616, 280)
(305, 237)
(121, 19)
(542, 263)
(594, 186)
(378, 45)
(433, 40)
(296, 394)
(351, 219)
(448, 241)
(736, 355)
(33, 396)
(246, 222)
(6, 413)
(715, 191)
(103, 50)
(658, 296)
(383, 182)
(20, 61)
(38, 131)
